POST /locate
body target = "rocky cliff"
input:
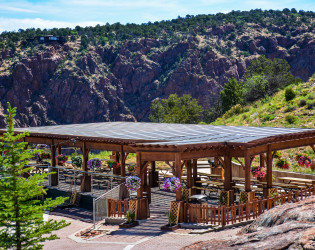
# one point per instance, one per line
(61, 84)
(289, 226)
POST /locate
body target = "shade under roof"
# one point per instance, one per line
(162, 133)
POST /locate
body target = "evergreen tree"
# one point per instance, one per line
(21, 213)
(176, 109)
(231, 95)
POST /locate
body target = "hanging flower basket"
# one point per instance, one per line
(303, 160)
(113, 164)
(283, 164)
(76, 161)
(94, 164)
(173, 184)
(259, 172)
(132, 169)
(61, 158)
(133, 183)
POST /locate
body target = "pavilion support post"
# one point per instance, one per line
(247, 171)
(178, 174)
(227, 172)
(139, 172)
(153, 176)
(122, 162)
(228, 177)
(194, 168)
(269, 167)
(86, 178)
(59, 150)
(54, 177)
(189, 174)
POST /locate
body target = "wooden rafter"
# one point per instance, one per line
(221, 161)
(240, 162)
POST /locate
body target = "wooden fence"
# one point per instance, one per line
(224, 215)
(117, 208)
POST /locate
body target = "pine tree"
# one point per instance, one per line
(21, 213)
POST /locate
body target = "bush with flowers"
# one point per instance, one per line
(113, 164)
(61, 158)
(173, 184)
(45, 155)
(259, 172)
(133, 183)
(131, 169)
(303, 160)
(94, 164)
(283, 164)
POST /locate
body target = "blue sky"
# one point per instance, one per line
(69, 13)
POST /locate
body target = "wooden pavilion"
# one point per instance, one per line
(181, 144)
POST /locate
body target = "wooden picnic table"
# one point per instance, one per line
(240, 179)
(208, 175)
(243, 187)
(297, 180)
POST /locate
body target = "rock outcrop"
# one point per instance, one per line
(61, 85)
(289, 226)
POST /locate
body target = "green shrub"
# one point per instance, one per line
(268, 117)
(290, 119)
(310, 104)
(302, 103)
(290, 108)
(235, 110)
(289, 94)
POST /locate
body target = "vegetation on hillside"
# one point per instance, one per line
(176, 109)
(263, 78)
(276, 110)
(189, 25)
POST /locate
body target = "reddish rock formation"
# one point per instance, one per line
(60, 85)
(289, 226)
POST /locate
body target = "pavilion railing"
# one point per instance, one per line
(225, 215)
(70, 179)
(101, 204)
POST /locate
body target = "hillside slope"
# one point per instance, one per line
(275, 111)
(114, 72)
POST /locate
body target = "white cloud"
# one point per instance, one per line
(8, 24)
(14, 9)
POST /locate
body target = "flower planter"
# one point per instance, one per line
(262, 179)
(170, 228)
(129, 225)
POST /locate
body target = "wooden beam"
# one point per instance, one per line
(247, 171)
(122, 162)
(262, 160)
(227, 171)
(157, 156)
(139, 172)
(195, 170)
(240, 162)
(86, 178)
(269, 167)
(178, 174)
(189, 174)
(196, 154)
(54, 177)
(221, 161)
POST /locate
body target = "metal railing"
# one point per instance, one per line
(69, 178)
(100, 204)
